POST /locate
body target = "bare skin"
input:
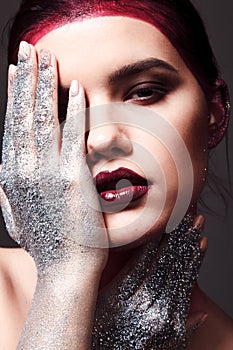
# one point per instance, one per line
(68, 268)
(18, 281)
(184, 88)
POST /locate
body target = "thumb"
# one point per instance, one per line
(194, 321)
(8, 215)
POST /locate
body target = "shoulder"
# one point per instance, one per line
(17, 284)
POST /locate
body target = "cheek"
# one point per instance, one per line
(151, 215)
(194, 130)
(169, 175)
(198, 146)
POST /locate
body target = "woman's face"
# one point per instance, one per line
(140, 94)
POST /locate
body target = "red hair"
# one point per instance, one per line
(177, 20)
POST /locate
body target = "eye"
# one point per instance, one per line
(146, 93)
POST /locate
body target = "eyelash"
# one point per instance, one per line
(156, 93)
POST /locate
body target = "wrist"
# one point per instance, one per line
(64, 303)
(73, 274)
(73, 260)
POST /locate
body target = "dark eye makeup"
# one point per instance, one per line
(146, 93)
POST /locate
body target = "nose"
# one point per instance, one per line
(107, 139)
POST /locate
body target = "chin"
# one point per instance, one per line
(131, 228)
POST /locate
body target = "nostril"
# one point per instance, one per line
(117, 151)
(93, 157)
(109, 153)
(108, 141)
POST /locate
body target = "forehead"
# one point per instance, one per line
(103, 42)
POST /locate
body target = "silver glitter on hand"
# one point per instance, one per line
(148, 309)
(44, 209)
(43, 171)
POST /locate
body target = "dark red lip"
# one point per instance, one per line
(107, 180)
(120, 187)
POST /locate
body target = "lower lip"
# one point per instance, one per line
(123, 196)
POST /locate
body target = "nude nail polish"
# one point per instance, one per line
(24, 51)
(199, 222)
(201, 322)
(74, 88)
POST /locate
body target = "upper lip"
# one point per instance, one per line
(107, 180)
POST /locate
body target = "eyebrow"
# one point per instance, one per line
(140, 67)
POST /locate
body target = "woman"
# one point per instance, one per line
(145, 102)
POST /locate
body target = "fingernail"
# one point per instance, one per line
(198, 222)
(202, 321)
(74, 88)
(45, 59)
(12, 70)
(203, 244)
(24, 51)
(199, 324)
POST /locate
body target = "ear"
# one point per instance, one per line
(219, 113)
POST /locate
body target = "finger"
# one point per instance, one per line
(8, 216)
(132, 277)
(11, 78)
(7, 145)
(177, 264)
(198, 222)
(203, 244)
(196, 320)
(46, 125)
(23, 106)
(184, 240)
(73, 140)
(185, 233)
